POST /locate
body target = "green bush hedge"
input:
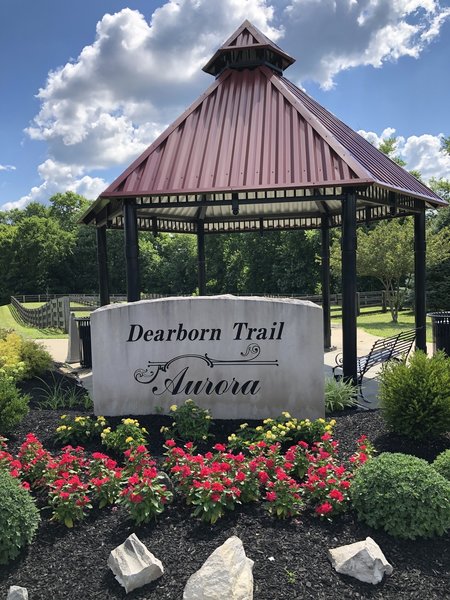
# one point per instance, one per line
(403, 495)
(19, 518)
(415, 396)
(13, 405)
(442, 464)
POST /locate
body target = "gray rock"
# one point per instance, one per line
(16, 592)
(363, 560)
(133, 565)
(226, 574)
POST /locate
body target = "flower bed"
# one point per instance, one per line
(294, 481)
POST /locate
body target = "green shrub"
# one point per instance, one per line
(36, 358)
(13, 405)
(415, 396)
(339, 394)
(190, 422)
(19, 518)
(11, 365)
(442, 464)
(403, 495)
(129, 434)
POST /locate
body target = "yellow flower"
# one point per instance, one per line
(63, 417)
(129, 439)
(286, 414)
(243, 426)
(173, 408)
(267, 421)
(333, 422)
(78, 419)
(231, 437)
(259, 428)
(321, 420)
(107, 430)
(144, 430)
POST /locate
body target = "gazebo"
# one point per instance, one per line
(256, 153)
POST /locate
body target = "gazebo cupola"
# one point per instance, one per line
(248, 48)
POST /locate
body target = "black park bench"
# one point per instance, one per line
(395, 347)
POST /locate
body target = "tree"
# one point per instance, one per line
(386, 252)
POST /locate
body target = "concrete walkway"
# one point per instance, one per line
(58, 349)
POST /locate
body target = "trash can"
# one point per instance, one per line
(440, 322)
(84, 329)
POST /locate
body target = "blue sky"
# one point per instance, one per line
(86, 86)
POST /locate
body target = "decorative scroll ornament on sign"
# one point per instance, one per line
(249, 358)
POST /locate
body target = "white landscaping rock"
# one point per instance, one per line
(133, 565)
(16, 592)
(226, 574)
(363, 560)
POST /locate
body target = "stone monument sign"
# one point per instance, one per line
(248, 358)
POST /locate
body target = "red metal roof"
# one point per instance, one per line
(255, 138)
(254, 130)
(244, 134)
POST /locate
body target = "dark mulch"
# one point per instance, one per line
(290, 557)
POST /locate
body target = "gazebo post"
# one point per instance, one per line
(201, 260)
(419, 280)
(102, 263)
(325, 272)
(349, 286)
(131, 249)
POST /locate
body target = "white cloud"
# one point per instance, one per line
(330, 36)
(7, 168)
(420, 152)
(58, 177)
(106, 106)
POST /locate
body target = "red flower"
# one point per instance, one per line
(219, 448)
(215, 497)
(271, 496)
(344, 484)
(136, 498)
(324, 508)
(240, 476)
(336, 495)
(64, 495)
(263, 477)
(217, 487)
(170, 443)
(303, 444)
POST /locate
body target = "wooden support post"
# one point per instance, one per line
(326, 304)
(349, 350)
(419, 280)
(131, 250)
(102, 263)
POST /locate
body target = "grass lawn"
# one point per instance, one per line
(7, 321)
(381, 325)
